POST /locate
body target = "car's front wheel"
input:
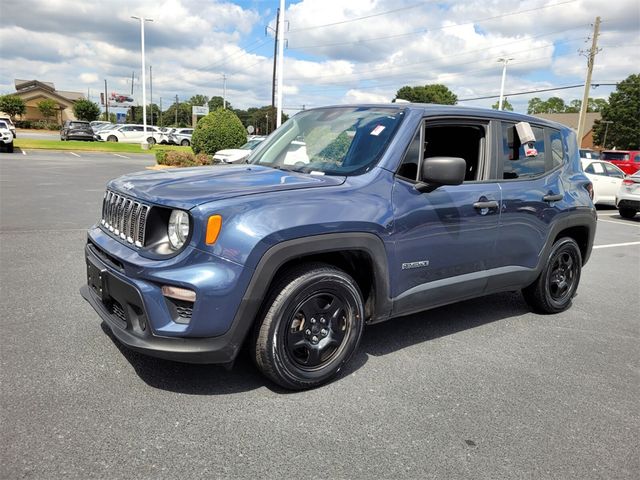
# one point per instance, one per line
(185, 143)
(112, 138)
(10, 148)
(151, 141)
(312, 324)
(556, 285)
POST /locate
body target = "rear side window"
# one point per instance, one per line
(515, 164)
(615, 156)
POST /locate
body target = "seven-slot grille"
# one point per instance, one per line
(125, 217)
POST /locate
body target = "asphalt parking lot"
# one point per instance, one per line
(482, 389)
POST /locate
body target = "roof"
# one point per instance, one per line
(24, 86)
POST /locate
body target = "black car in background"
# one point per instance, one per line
(76, 130)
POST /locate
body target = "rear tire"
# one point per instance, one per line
(185, 143)
(310, 327)
(151, 141)
(626, 212)
(10, 148)
(555, 287)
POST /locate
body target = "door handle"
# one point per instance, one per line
(553, 197)
(485, 204)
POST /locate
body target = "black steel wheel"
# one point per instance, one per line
(312, 324)
(556, 286)
(626, 212)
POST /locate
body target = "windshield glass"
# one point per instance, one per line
(334, 141)
(251, 144)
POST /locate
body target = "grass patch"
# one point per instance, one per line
(75, 145)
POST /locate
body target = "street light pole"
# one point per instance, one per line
(144, 143)
(606, 129)
(504, 76)
(280, 63)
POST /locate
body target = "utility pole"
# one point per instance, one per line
(275, 58)
(176, 111)
(151, 91)
(593, 51)
(606, 129)
(160, 115)
(280, 62)
(106, 101)
(504, 61)
(224, 91)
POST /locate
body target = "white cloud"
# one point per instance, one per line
(88, 78)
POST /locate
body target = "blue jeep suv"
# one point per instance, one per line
(344, 216)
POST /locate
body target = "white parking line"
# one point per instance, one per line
(631, 224)
(74, 154)
(23, 152)
(121, 156)
(626, 244)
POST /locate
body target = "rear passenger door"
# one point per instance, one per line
(532, 196)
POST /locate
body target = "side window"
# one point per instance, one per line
(613, 171)
(516, 164)
(557, 149)
(636, 158)
(126, 129)
(595, 168)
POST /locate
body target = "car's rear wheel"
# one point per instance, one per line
(151, 141)
(112, 138)
(185, 143)
(627, 212)
(10, 148)
(555, 287)
(311, 326)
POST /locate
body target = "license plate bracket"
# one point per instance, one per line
(96, 279)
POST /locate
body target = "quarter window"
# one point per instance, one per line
(516, 165)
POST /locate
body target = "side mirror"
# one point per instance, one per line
(438, 171)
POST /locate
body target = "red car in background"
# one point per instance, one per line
(626, 160)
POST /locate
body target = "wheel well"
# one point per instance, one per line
(356, 263)
(580, 235)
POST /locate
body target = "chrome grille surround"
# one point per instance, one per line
(125, 218)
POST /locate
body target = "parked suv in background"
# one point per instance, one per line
(6, 119)
(130, 134)
(6, 136)
(626, 160)
(77, 130)
(382, 211)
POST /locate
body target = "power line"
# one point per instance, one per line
(358, 18)
(425, 30)
(534, 91)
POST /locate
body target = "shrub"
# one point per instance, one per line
(45, 125)
(174, 158)
(12, 105)
(86, 110)
(219, 130)
(23, 124)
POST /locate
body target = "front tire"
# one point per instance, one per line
(112, 138)
(555, 287)
(10, 148)
(627, 212)
(185, 143)
(311, 326)
(151, 141)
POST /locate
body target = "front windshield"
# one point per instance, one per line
(333, 141)
(251, 144)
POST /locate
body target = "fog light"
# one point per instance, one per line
(179, 293)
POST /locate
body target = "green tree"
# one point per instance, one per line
(216, 102)
(12, 105)
(506, 106)
(198, 100)
(219, 130)
(434, 93)
(622, 111)
(48, 108)
(183, 115)
(86, 110)
(552, 105)
(593, 105)
(113, 118)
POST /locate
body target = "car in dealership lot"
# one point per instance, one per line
(180, 136)
(589, 154)
(77, 130)
(97, 124)
(626, 160)
(6, 119)
(394, 209)
(628, 196)
(130, 134)
(238, 155)
(606, 179)
(6, 136)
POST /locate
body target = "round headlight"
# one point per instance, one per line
(178, 229)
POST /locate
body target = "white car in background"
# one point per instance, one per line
(130, 134)
(6, 136)
(606, 179)
(238, 155)
(181, 136)
(628, 197)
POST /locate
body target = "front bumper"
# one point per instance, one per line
(128, 299)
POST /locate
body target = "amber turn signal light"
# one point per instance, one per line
(213, 228)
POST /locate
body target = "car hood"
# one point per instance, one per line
(232, 153)
(186, 188)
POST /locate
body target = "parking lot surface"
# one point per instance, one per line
(481, 389)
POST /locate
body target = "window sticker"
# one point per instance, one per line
(378, 130)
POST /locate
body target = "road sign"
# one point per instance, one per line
(197, 110)
(250, 129)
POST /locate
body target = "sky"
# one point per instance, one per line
(336, 51)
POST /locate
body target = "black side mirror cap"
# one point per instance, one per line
(438, 171)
